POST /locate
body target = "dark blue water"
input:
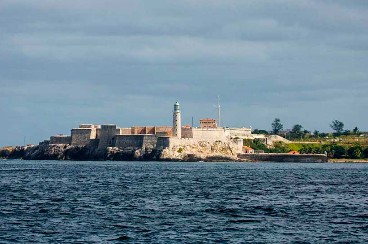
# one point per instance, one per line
(46, 201)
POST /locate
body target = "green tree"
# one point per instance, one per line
(355, 152)
(337, 126)
(306, 148)
(365, 152)
(356, 130)
(257, 131)
(256, 144)
(316, 133)
(277, 126)
(323, 135)
(296, 132)
(338, 151)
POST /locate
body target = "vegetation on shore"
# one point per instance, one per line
(339, 144)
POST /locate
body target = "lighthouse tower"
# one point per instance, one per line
(176, 121)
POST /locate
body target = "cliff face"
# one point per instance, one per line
(50, 152)
(201, 151)
(77, 153)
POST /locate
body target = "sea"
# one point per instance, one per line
(177, 202)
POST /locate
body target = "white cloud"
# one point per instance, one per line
(90, 60)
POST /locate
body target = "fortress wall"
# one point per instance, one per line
(138, 130)
(163, 142)
(162, 134)
(93, 133)
(164, 130)
(209, 134)
(237, 144)
(125, 131)
(151, 130)
(80, 136)
(178, 142)
(285, 157)
(186, 132)
(205, 134)
(94, 143)
(143, 130)
(85, 126)
(150, 141)
(135, 141)
(238, 132)
(60, 140)
(106, 135)
(171, 142)
(123, 141)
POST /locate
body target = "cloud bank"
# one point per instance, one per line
(126, 62)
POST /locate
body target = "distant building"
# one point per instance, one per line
(60, 139)
(248, 150)
(207, 123)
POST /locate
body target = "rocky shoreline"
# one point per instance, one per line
(87, 153)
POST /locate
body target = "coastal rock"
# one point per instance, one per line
(201, 151)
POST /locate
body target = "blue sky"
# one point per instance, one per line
(67, 62)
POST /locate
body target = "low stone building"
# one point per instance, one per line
(207, 123)
(60, 139)
(83, 135)
(247, 149)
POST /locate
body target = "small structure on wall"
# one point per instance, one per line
(207, 123)
(248, 150)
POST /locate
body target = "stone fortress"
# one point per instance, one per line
(174, 139)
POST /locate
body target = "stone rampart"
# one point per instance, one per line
(60, 139)
(80, 136)
(137, 130)
(152, 130)
(238, 132)
(125, 131)
(106, 134)
(285, 157)
(135, 141)
(209, 134)
(163, 142)
(173, 142)
(186, 132)
(85, 126)
(164, 130)
(205, 134)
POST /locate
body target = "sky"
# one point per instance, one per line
(126, 62)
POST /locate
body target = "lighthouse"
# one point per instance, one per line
(176, 121)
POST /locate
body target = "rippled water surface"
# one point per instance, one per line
(47, 201)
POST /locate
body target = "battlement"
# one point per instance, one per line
(60, 139)
(106, 134)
